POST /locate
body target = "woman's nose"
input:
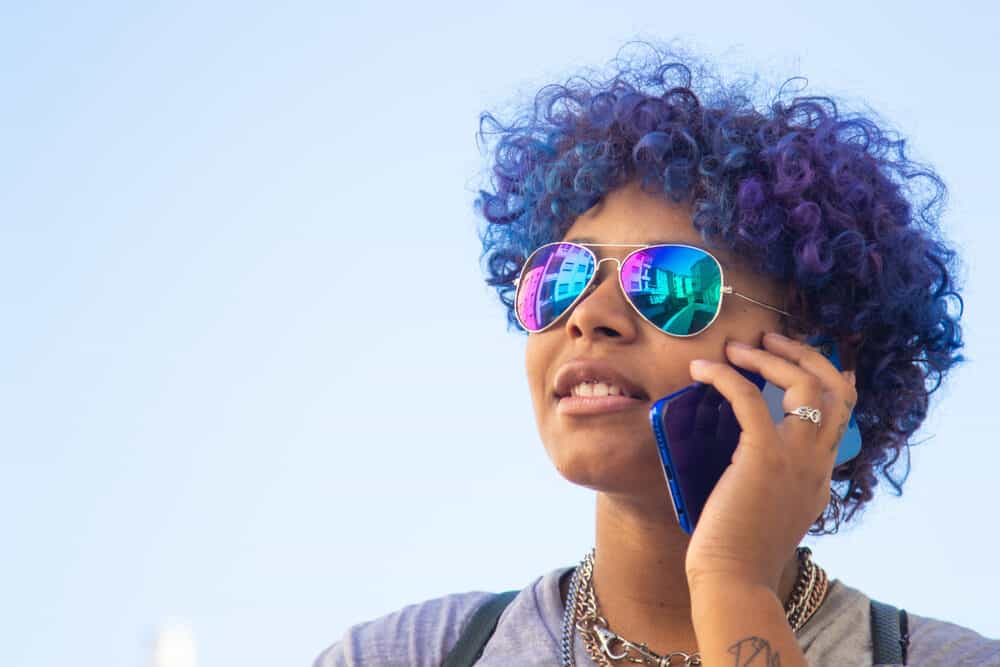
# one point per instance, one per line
(603, 310)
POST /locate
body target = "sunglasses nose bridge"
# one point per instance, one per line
(618, 263)
(596, 279)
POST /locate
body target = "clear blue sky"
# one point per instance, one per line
(206, 411)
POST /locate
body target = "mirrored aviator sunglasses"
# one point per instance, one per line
(676, 288)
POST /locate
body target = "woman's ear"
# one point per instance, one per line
(847, 348)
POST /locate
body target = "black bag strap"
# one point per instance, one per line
(479, 630)
(890, 634)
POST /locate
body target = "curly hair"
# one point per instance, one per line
(824, 201)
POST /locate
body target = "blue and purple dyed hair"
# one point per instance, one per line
(824, 201)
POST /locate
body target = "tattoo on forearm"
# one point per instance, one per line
(754, 652)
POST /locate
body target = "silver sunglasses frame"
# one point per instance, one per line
(724, 289)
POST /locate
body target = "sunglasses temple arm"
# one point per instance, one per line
(729, 290)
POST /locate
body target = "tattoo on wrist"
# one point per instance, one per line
(843, 426)
(754, 652)
(840, 435)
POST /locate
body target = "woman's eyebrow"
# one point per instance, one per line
(587, 239)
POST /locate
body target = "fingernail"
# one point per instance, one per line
(777, 336)
(738, 344)
(698, 365)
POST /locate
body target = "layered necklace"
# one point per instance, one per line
(605, 646)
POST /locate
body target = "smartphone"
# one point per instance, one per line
(697, 432)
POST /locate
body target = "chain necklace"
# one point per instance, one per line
(603, 644)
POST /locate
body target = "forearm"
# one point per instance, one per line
(742, 625)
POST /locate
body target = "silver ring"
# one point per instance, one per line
(806, 413)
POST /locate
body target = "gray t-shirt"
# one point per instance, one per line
(529, 632)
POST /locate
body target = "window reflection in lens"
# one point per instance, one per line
(553, 278)
(677, 288)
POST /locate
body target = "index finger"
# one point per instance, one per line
(814, 362)
(745, 398)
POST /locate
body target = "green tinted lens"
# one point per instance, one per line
(677, 288)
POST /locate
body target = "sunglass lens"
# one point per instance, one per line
(552, 279)
(677, 288)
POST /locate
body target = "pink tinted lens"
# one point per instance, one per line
(551, 280)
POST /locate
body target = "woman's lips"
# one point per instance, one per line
(596, 405)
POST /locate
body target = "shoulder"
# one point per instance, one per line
(423, 633)
(418, 634)
(840, 634)
(937, 642)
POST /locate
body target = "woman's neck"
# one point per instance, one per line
(639, 573)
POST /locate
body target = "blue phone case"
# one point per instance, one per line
(693, 469)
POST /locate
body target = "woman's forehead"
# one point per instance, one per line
(628, 214)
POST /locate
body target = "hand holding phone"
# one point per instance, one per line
(697, 433)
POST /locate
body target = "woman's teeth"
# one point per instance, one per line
(597, 389)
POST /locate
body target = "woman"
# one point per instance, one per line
(821, 226)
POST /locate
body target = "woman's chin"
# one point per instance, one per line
(611, 468)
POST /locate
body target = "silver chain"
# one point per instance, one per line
(603, 644)
(568, 659)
